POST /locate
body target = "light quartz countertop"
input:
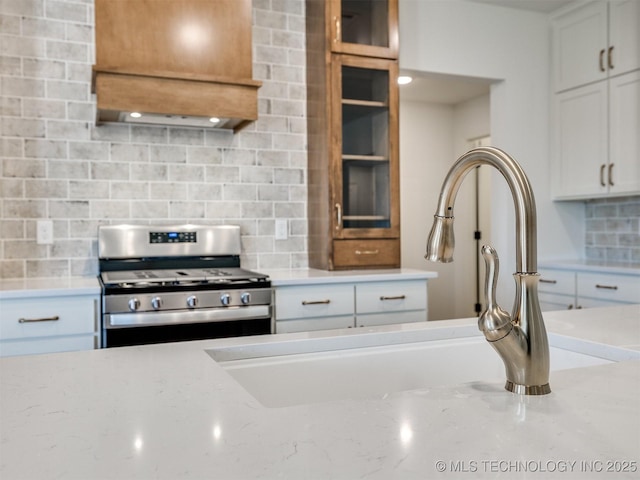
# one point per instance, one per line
(48, 287)
(311, 276)
(593, 266)
(170, 411)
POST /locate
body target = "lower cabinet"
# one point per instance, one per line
(30, 325)
(345, 305)
(567, 289)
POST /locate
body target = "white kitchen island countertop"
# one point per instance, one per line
(170, 411)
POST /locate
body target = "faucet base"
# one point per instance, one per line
(527, 389)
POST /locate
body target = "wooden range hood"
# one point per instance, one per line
(176, 62)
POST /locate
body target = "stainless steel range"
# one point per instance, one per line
(175, 283)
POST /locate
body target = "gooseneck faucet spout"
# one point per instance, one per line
(520, 338)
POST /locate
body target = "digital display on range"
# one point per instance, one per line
(173, 237)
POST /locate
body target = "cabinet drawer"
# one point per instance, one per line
(557, 281)
(551, 301)
(366, 253)
(48, 345)
(619, 288)
(378, 297)
(312, 324)
(48, 316)
(314, 301)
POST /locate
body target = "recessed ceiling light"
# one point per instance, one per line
(135, 114)
(214, 120)
(404, 79)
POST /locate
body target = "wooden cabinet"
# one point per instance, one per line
(353, 205)
(561, 289)
(303, 308)
(45, 324)
(596, 112)
(174, 59)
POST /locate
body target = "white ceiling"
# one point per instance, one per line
(444, 89)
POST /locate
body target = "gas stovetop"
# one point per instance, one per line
(178, 277)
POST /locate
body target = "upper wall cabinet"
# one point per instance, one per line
(176, 62)
(595, 41)
(364, 27)
(596, 110)
(352, 108)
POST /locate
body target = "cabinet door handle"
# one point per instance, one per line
(601, 60)
(544, 280)
(396, 297)
(367, 252)
(336, 22)
(316, 302)
(607, 287)
(338, 208)
(610, 58)
(570, 307)
(55, 318)
(611, 174)
(602, 167)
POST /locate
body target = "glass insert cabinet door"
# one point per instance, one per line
(366, 154)
(365, 27)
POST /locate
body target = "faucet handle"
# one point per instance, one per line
(494, 321)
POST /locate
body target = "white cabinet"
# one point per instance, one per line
(300, 308)
(596, 112)
(594, 41)
(563, 289)
(47, 324)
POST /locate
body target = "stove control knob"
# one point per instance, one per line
(245, 298)
(134, 304)
(225, 299)
(192, 301)
(156, 303)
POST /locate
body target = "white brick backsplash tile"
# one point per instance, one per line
(57, 164)
(24, 168)
(109, 209)
(23, 249)
(88, 150)
(47, 268)
(43, 28)
(21, 46)
(109, 171)
(12, 229)
(21, 127)
(28, 208)
(130, 190)
(38, 188)
(150, 209)
(37, 108)
(11, 188)
(69, 209)
(23, 87)
(68, 90)
(88, 189)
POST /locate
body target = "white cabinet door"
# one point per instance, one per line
(580, 46)
(624, 36)
(580, 141)
(624, 158)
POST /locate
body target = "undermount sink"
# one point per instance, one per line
(375, 365)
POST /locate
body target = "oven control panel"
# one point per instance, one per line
(173, 237)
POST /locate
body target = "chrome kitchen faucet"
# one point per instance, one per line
(521, 338)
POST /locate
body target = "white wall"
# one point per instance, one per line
(511, 46)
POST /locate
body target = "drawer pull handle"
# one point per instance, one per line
(544, 280)
(316, 302)
(607, 287)
(397, 297)
(43, 319)
(367, 252)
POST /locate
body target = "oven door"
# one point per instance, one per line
(120, 329)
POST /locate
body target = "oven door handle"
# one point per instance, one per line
(204, 315)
